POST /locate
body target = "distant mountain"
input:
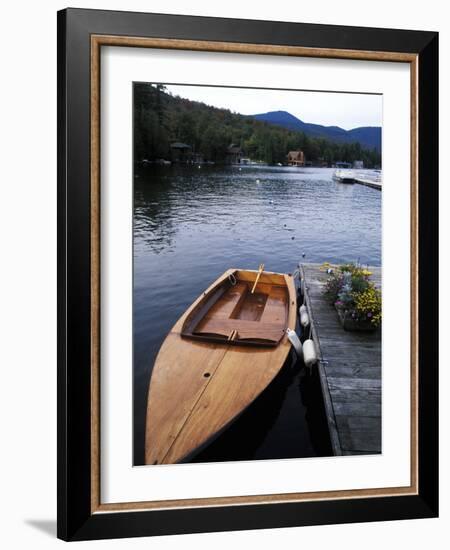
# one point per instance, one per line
(369, 137)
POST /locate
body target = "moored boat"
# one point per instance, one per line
(344, 176)
(219, 356)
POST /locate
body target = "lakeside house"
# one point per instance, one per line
(180, 152)
(296, 158)
(234, 154)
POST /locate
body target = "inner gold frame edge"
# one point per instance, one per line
(263, 49)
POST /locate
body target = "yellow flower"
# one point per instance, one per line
(368, 304)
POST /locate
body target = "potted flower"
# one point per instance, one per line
(355, 297)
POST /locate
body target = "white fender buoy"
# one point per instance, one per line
(304, 319)
(295, 341)
(309, 353)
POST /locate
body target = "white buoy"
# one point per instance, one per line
(304, 317)
(295, 341)
(309, 353)
(257, 181)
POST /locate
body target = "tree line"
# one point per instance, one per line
(161, 119)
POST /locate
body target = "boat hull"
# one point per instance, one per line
(199, 387)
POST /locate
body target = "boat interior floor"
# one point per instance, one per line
(233, 314)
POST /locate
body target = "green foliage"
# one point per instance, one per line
(161, 119)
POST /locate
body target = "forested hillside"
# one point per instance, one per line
(161, 119)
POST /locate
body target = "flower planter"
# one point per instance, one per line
(350, 324)
(357, 300)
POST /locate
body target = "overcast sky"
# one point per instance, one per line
(329, 109)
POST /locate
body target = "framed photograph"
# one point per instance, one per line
(247, 274)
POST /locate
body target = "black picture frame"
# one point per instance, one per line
(76, 521)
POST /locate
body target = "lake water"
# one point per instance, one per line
(191, 224)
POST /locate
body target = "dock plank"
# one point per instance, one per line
(360, 433)
(357, 408)
(354, 371)
(349, 368)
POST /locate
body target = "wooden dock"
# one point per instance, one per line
(350, 370)
(369, 183)
(350, 176)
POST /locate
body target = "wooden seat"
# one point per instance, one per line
(256, 330)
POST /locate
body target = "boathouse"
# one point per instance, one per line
(180, 152)
(234, 154)
(296, 158)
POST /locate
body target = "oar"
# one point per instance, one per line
(260, 270)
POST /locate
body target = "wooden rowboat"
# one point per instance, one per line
(219, 356)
